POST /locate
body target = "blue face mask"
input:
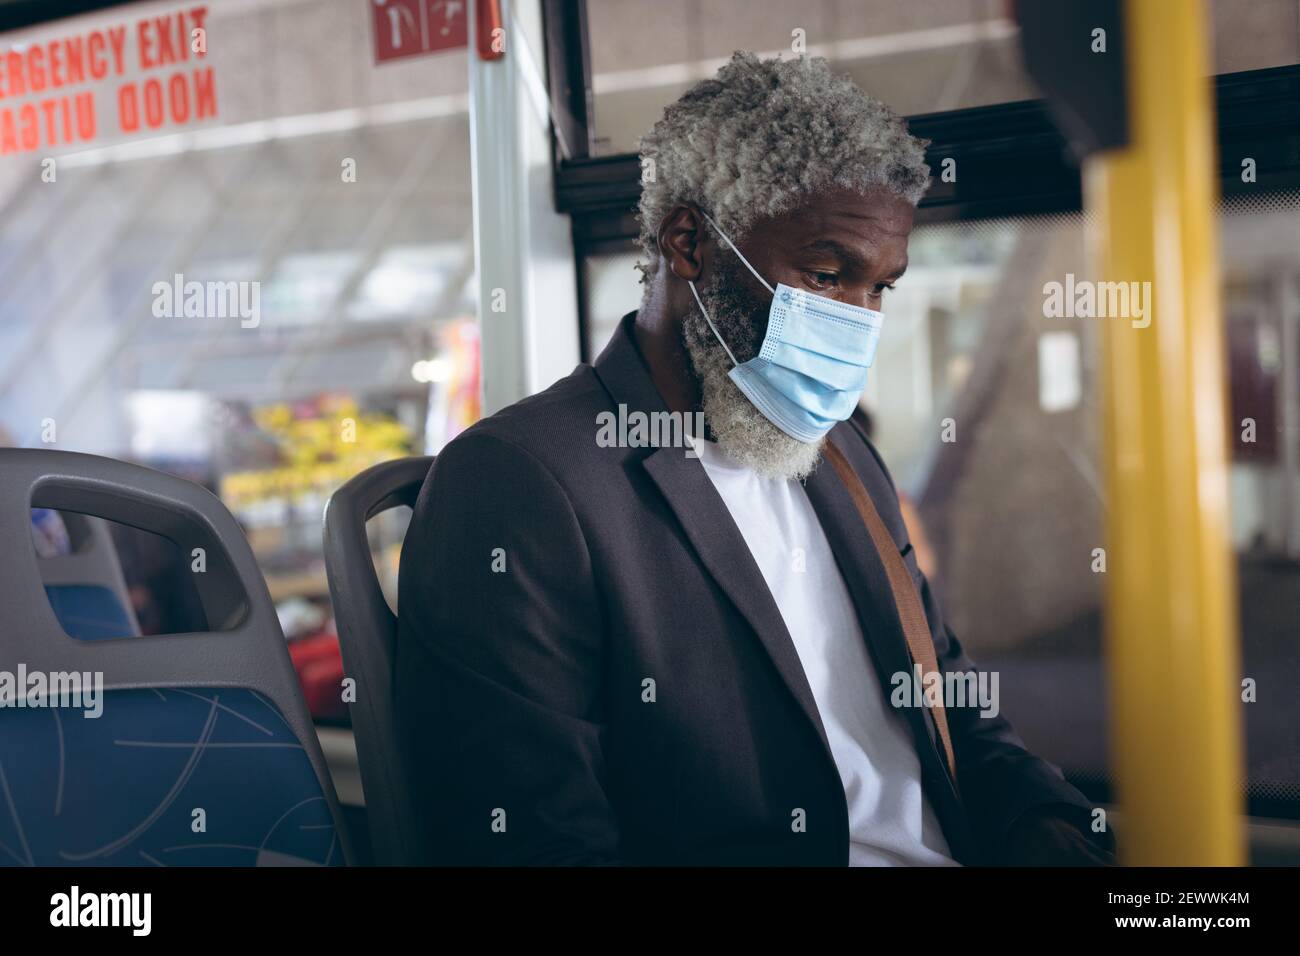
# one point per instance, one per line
(813, 365)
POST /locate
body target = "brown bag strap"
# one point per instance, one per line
(910, 611)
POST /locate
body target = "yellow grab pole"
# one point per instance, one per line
(1171, 632)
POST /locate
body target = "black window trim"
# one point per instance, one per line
(1021, 164)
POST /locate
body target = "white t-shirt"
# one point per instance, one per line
(891, 822)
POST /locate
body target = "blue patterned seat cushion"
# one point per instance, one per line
(122, 789)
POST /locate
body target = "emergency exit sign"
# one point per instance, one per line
(414, 27)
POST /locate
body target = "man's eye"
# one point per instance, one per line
(823, 280)
(882, 286)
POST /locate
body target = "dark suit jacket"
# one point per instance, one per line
(521, 692)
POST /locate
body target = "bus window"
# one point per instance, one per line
(268, 296)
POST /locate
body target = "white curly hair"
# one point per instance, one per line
(762, 134)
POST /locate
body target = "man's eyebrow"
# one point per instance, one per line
(847, 255)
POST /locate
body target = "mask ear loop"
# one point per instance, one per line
(705, 312)
(712, 327)
(738, 252)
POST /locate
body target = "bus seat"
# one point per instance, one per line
(199, 749)
(85, 586)
(90, 612)
(367, 631)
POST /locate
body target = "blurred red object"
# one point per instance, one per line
(490, 30)
(319, 664)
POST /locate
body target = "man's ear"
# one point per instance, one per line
(682, 241)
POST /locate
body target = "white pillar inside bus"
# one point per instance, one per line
(527, 293)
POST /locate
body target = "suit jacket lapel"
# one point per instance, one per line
(706, 521)
(723, 551)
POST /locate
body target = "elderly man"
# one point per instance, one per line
(687, 654)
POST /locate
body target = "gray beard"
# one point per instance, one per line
(739, 427)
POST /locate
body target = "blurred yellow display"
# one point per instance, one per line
(319, 451)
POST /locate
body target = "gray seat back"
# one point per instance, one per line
(368, 636)
(213, 720)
